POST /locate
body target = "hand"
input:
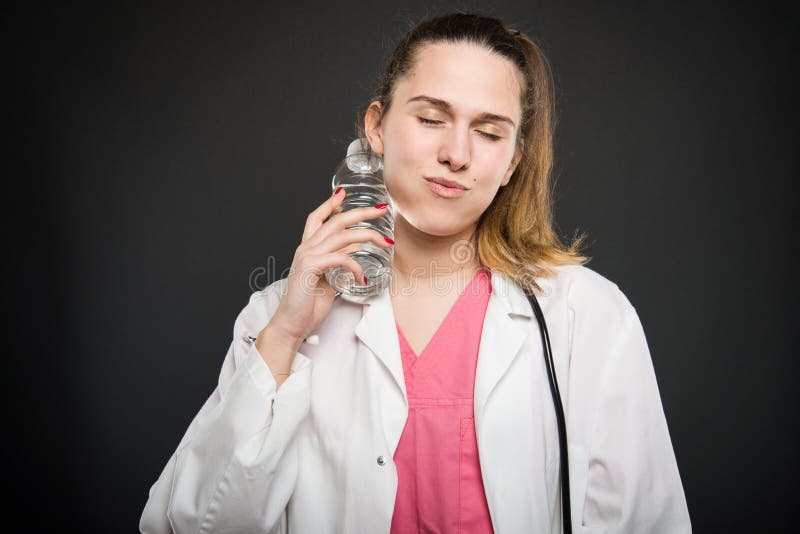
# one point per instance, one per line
(326, 243)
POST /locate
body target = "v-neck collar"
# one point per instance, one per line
(404, 340)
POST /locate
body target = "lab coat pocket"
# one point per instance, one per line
(578, 477)
(473, 510)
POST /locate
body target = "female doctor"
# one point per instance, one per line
(426, 408)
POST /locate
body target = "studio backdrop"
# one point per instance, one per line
(167, 156)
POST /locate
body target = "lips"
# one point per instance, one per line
(446, 183)
(444, 191)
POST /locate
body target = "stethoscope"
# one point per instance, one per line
(562, 427)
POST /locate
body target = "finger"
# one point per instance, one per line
(320, 263)
(317, 217)
(349, 236)
(345, 219)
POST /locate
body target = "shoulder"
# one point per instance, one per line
(607, 344)
(589, 294)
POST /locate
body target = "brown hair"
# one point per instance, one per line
(514, 237)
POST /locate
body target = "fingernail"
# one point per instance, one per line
(381, 206)
(337, 190)
(365, 279)
(389, 240)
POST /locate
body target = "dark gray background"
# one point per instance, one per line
(163, 153)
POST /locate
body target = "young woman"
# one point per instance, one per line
(426, 408)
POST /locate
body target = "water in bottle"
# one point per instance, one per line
(361, 175)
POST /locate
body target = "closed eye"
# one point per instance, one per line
(488, 136)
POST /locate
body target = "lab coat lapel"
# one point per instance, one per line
(378, 331)
(501, 338)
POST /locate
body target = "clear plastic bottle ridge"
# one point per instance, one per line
(361, 175)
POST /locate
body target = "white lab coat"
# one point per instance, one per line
(316, 455)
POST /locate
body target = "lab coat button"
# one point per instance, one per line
(381, 460)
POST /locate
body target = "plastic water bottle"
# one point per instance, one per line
(361, 175)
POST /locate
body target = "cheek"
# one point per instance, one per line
(403, 159)
(404, 147)
(484, 194)
(487, 186)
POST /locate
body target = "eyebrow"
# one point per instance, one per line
(444, 105)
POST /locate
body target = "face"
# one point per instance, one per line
(455, 118)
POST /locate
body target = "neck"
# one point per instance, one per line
(424, 257)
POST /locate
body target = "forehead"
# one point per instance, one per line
(470, 77)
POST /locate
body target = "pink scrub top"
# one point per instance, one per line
(440, 489)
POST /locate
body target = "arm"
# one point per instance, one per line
(633, 482)
(236, 466)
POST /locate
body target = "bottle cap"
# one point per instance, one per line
(354, 147)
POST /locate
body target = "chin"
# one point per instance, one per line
(438, 226)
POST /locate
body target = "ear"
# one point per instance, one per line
(513, 165)
(372, 126)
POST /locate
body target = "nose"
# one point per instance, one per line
(455, 150)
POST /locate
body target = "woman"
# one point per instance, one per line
(426, 407)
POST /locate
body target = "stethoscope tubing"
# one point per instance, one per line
(559, 408)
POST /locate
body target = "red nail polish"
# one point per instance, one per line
(365, 279)
(381, 206)
(389, 240)
(337, 190)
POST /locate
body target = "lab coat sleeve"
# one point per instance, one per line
(236, 466)
(633, 483)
